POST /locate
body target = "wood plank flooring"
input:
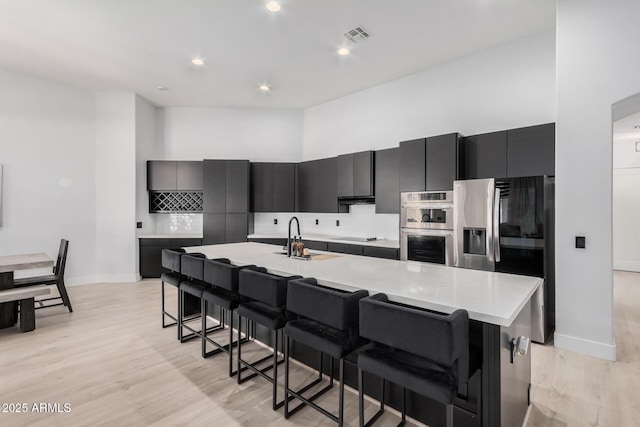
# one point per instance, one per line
(115, 366)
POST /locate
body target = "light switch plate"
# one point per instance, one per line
(581, 242)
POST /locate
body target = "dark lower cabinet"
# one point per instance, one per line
(312, 244)
(151, 254)
(345, 248)
(378, 252)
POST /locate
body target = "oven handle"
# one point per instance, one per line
(496, 225)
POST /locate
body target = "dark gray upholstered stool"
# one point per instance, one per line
(264, 302)
(328, 322)
(170, 261)
(192, 268)
(424, 352)
(223, 278)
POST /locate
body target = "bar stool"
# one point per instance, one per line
(264, 302)
(328, 322)
(224, 293)
(418, 350)
(170, 261)
(192, 268)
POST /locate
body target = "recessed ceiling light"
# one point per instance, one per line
(197, 61)
(163, 88)
(264, 88)
(343, 51)
(273, 6)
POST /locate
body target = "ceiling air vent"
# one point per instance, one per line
(357, 34)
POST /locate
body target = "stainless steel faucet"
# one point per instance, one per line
(289, 236)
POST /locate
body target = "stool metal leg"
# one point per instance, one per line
(180, 313)
(341, 399)
(404, 407)
(286, 377)
(275, 370)
(450, 415)
(361, 401)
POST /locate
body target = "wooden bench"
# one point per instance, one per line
(25, 296)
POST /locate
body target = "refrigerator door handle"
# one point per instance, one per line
(496, 225)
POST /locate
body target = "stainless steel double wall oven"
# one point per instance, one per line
(426, 227)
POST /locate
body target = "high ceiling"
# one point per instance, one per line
(138, 45)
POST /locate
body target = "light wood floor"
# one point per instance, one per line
(115, 366)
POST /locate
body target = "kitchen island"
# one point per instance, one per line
(498, 306)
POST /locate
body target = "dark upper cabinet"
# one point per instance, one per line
(345, 175)
(387, 181)
(214, 186)
(355, 174)
(237, 186)
(486, 155)
(412, 165)
(161, 175)
(327, 187)
(363, 181)
(531, 151)
(445, 161)
(189, 176)
(308, 186)
(284, 189)
(169, 175)
(262, 187)
(273, 187)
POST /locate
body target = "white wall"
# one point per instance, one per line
(232, 133)
(505, 87)
(115, 163)
(47, 149)
(148, 147)
(595, 70)
(626, 219)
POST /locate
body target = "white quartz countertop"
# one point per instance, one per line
(394, 244)
(489, 297)
(171, 236)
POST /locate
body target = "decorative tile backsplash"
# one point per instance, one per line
(361, 221)
(178, 223)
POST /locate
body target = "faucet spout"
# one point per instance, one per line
(289, 236)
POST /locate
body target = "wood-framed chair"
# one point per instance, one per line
(57, 278)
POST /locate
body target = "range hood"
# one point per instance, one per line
(357, 200)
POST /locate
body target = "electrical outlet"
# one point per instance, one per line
(337, 223)
(275, 221)
(581, 242)
(138, 224)
(316, 222)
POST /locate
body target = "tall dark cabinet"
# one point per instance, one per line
(226, 214)
(444, 161)
(412, 165)
(387, 181)
(327, 191)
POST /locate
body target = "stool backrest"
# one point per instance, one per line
(192, 265)
(264, 287)
(219, 272)
(333, 307)
(443, 339)
(171, 259)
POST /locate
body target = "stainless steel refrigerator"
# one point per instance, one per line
(507, 225)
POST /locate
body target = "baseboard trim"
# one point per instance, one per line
(591, 348)
(619, 264)
(90, 280)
